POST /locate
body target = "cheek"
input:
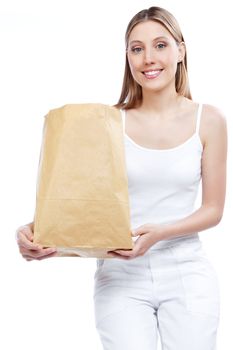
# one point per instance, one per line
(134, 64)
(169, 59)
(135, 68)
(173, 58)
(171, 64)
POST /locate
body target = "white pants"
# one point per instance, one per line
(172, 290)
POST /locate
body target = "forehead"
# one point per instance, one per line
(148, 30)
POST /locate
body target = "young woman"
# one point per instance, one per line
(166, 284)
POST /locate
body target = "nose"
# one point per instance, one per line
(148, 56)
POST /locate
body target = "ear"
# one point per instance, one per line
(181, 51)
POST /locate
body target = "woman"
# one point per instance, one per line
(166, 284)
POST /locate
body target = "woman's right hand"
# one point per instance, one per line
(28, 249)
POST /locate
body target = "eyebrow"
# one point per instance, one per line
(158, 38)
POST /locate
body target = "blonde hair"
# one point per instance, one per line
(131, 91)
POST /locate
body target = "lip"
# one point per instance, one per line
(152, 70)
(154, 76)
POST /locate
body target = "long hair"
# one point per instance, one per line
(131, 92)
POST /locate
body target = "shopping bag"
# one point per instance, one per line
(82, 202)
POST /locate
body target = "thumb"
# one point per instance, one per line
(135, 232)
(26, 230)
(140, 230)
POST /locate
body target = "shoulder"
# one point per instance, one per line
(213, 116)
(214, 123)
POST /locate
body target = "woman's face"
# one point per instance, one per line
(153, 55)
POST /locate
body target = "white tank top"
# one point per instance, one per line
(163, 183)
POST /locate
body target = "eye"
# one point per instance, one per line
(135, 49)
(161, 46)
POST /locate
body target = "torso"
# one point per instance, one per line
(170, 132)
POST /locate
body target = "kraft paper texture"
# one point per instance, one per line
(82, 203)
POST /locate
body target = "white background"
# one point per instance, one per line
(59, 52)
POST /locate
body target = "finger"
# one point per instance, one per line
(26, 230)
(115, 255)
(141, 230)
(30, 258)
(134, 233)
(111, 254)
(37, 254)
(51, 255)
(23, 241)
(124, 254)
(140, 246)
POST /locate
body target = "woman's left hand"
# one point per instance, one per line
(148, 234)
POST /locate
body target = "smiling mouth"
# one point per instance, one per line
(151, 74)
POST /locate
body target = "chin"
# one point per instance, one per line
(157, 88)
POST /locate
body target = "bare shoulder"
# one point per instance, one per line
(213, 124)
(213, 116)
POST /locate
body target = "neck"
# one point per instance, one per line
(160, 103)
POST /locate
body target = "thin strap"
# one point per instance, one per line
(198, 118)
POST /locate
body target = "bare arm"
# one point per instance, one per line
(214, 162)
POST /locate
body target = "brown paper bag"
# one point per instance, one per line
(82, 203)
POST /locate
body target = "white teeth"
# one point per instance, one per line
(152, 72)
